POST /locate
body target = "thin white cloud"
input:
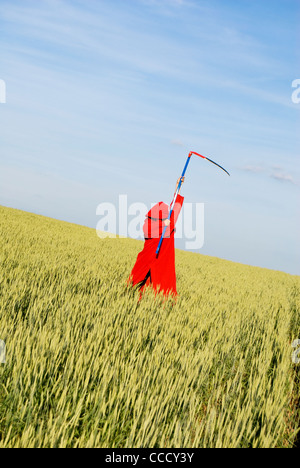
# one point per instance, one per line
(283, 177)
(177, 143)
(87, 31)
(275, 172)
(254, 169)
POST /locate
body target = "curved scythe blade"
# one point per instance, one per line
(210, 160)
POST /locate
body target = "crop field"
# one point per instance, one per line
(89, 365)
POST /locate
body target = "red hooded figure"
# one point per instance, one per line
(158, 270)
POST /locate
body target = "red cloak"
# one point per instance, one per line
(158, 270)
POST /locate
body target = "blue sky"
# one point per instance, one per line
(108, 97)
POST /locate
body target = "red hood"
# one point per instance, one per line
(159, 211)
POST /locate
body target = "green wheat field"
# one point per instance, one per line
(88, 365)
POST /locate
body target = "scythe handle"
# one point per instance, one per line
(178, 188)
(173, 202)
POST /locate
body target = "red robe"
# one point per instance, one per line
(158, 270)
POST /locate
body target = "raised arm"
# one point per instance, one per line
(177, 183)
(177, 205)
